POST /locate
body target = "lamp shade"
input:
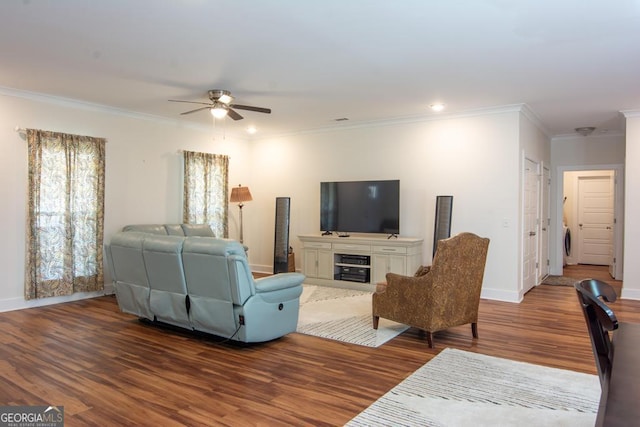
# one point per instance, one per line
(240, 194)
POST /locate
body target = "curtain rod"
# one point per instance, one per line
(23, 131)
(180, 151)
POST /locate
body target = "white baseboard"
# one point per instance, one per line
(10, 304)
(500, 295)
(630, 293)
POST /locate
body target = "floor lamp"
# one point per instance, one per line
(240, 195)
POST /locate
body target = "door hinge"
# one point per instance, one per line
(537, 265)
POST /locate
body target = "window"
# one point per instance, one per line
(65, 214)
(206, 201)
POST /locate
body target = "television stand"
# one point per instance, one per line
(359, 262)
(327, 233)
(393, 235)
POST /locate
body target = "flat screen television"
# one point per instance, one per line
(360, 207)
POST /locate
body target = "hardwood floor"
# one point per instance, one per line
(108, 368)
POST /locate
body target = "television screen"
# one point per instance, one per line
(360, 206)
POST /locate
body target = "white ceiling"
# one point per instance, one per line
(573, 62)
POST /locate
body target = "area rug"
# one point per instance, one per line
(343, 315)
(560, 280)
(459, 388)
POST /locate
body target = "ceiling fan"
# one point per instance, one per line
(221, 105)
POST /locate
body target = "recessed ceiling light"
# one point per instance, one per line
(585, 130)
(437, 107)
(252, 130)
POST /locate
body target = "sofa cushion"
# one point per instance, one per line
(168, 290)
(146, 228)
(174, 229)
(126, 257)
(202, 230)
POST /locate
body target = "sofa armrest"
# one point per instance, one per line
(279, 281)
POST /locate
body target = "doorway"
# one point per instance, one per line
(591, 231)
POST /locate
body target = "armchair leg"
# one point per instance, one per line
(376, 319)
(430, 339)
(474, 329)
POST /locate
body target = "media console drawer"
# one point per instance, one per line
(317, 245)
(351, 247)
(390, 249)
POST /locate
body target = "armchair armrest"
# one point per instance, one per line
(279, 281)
(409, 289)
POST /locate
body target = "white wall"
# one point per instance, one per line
(475, 159)
(143, 172)
(595, 149)
(632, 209)
(594, 152)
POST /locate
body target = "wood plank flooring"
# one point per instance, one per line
(108, 368)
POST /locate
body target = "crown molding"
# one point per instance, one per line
(421, 118)
(573, 136)
(529, 114)
(100, 108)
(630, 113)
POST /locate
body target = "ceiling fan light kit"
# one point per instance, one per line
(219, 110)
(221, 105)
(223, 96)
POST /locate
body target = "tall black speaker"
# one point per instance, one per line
(281, 244)
(442, 229)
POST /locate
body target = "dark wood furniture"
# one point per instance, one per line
(600, 321)
(617, 359)
(620, 399)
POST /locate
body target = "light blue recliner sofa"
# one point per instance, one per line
(200, 283)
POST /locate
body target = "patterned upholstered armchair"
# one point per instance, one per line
(443, 296)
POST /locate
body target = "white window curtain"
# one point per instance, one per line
(65, 214)
(206, 191)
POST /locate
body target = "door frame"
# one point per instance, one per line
(536, 247)
(544, 227)
(558, 241)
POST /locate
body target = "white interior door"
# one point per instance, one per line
(530, 225)
(595, 220)
(545, 202)
(613, 230)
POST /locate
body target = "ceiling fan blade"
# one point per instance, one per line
(250, 108)
(234, 114)
(193, 111)
(189, 102)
